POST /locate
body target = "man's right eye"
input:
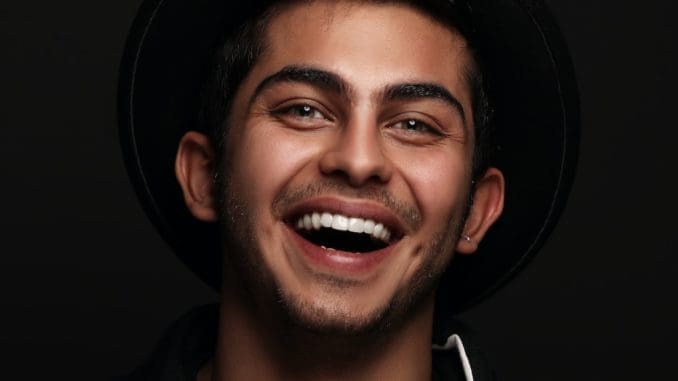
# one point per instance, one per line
(304, 111)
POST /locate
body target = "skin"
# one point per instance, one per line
(297, 142)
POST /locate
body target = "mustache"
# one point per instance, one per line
(408, 212)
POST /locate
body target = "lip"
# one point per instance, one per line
(360, 209)
(338, 262)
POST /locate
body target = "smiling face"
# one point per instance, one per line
(348, 166)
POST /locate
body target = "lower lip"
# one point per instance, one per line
(338, 261)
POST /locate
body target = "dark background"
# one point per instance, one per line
(87, 286)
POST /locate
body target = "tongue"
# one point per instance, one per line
(344, 241)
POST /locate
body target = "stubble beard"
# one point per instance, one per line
(264, 295)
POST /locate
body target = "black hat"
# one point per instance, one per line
(531, 85)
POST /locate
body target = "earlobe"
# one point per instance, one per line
(194, 168)
(488, 203)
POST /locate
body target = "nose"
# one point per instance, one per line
(357, 155)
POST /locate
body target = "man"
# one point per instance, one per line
(336, 167)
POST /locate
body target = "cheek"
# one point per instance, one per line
(439, 182)
(263, 160)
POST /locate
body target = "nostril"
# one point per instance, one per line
(356, 168)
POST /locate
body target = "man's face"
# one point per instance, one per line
(348, 163)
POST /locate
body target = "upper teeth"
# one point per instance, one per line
(342, 223)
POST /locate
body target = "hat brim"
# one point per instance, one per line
(533, 92)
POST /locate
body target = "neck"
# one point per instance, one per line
(253, 345)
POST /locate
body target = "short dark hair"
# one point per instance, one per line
(238, 52)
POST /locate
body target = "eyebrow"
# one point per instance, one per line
(434, 91)
(304, 74)
(334, 83)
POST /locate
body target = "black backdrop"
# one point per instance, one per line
(87, 286)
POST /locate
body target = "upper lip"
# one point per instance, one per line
(350, 208)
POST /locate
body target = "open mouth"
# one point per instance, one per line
(344, 233)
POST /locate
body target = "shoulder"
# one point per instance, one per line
(457, 354)
(186, 345)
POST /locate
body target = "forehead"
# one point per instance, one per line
(368, 43)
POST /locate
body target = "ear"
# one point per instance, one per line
(488, 203)
(194, 168)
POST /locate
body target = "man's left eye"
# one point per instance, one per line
(413, 125)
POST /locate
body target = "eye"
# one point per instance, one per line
(414, 126)
(304, 111)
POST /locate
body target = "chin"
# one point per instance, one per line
(336, 312)
(334, 316)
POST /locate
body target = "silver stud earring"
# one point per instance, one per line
(466, 237)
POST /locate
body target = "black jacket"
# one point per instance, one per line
(190, 342)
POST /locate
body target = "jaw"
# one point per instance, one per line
(347, 294)
(297, 283)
